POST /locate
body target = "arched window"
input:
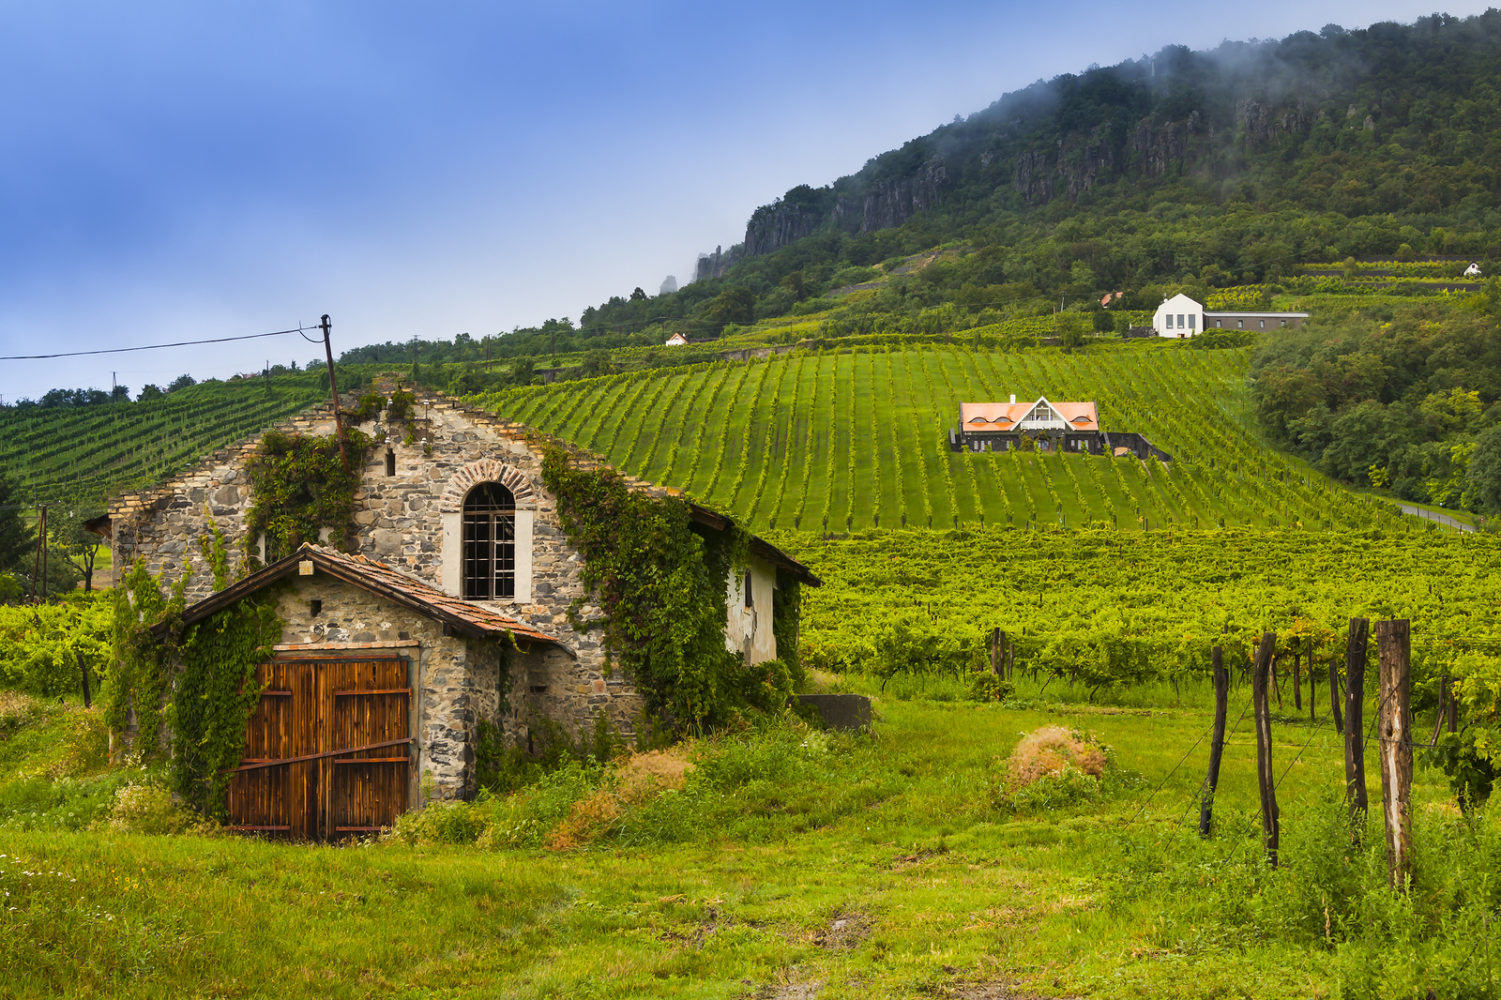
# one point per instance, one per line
(489, 543)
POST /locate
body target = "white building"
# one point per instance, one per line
(1473, 271)
(1180, 316)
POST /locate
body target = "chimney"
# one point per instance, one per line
(1013, 399)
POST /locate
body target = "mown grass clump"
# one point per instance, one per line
(726, 785)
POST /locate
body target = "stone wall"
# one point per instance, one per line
(455, 681)
(401, 520)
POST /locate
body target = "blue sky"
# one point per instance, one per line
(171, 171)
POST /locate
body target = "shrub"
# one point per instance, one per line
(149, 808)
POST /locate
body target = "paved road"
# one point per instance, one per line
(1443, 519)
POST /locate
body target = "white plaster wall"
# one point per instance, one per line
(1178, 305)
(748, 629)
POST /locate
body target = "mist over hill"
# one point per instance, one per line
(1390, 119)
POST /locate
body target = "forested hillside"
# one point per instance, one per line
(1241, 165)
(1407, 398)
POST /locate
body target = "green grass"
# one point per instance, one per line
(840, 440)
(882, 870)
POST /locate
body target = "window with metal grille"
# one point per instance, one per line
(489, 543)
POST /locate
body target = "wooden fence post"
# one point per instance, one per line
(995, 652)
(1216, 748)
(1339, 722)
(1393, 651)
(1264, 780)
(1297, 681)
(1355, 650)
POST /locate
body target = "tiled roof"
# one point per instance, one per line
(1079, 415)
(465, 617)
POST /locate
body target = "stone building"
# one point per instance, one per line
(458, 585)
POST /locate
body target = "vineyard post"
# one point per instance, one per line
(1355, 650)
(996, 637)
(1393, 651)
(1339, 723)
(1217, 747)
(1313, 684)
(1443, 709)
(1276, 685)
(83, 668)
(1297, 680)
(1264, 781)
(1453, 708)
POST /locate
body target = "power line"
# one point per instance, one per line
(147, 347)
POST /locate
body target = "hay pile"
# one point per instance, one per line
(1045, 753)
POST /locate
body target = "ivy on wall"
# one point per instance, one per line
(214, 690)
(661, 586)
(786, 618)
(200, 682)
(298, 486)
(138, 677)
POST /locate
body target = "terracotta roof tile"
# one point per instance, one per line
(466, 617)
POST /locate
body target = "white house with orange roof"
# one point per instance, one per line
(1045, 425)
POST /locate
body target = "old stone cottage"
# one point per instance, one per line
(450, 610)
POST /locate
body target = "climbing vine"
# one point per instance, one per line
(661, 586)
(786, 614)
(214, 694)
(298, 486)
(200, 682)
(139, 675)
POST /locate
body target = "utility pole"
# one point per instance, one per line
(333, 388)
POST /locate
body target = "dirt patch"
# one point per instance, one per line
(845, 930)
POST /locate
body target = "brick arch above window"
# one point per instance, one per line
(486, 470)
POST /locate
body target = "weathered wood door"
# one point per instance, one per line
(326, 751)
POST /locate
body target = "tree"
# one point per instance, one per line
(1484, 473)
(733, 305)
(149, 391)
(182, 382)
(81, 544)
(17, 538)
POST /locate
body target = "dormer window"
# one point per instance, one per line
(489, 543)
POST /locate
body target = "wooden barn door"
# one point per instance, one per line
(326, 750)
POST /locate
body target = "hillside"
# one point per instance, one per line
(78, 455)
(856, 438)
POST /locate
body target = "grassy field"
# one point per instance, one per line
(842, 440)
(797, 864)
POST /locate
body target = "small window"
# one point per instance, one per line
(390, 462)
(1240, 324)
(1181, 325)
(750, 594)
(315, 608)
(1192, 319)
(1263, 324)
